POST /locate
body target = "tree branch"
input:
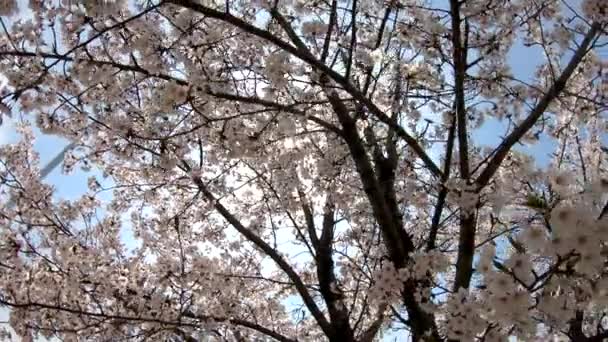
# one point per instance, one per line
(310, 223)
(460, 67)
(371, 186)
(328, 285)
(443, 193)
(554, 91)
(271, 252)
(307, 57)
(397, 241)
(332, 22)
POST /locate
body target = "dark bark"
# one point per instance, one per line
(466, 250)
(328, 285)
(443, 192)
(397, 241)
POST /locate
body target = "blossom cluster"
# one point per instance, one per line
(596, 10)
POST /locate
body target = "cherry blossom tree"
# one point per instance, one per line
(299, 170)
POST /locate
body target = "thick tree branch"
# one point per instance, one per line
(353, 40)
(443, 192)
(460, 68)
(370, 333)
(309, 217)
(332, 22)
(466, 240)
(272, 253)
(328, 285)
(466, 249)
(398, 250)
(554, 91)
(399, 244)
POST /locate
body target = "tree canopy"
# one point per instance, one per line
(299, 170)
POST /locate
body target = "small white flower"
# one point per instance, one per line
(8, 8)
(534, 238)
(561, 180)
(486, 258)
(591, 261)
(596, 10)
(563, 219)
(499, 283)
(521, 266)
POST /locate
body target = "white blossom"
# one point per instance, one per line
(8, 8)
(219, 189)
